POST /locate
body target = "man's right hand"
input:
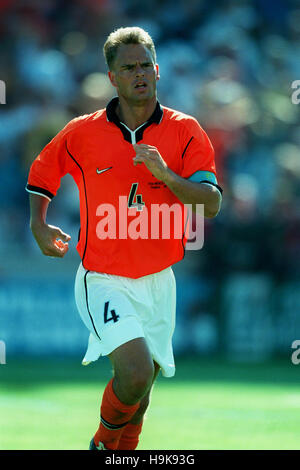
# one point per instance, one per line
(51, 240)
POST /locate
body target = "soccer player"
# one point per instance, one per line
(127, 160)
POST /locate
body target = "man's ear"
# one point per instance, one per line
(111, 77)
(157, 72)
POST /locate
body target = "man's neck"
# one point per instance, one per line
(135, 116)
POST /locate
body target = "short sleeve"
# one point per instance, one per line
(50, 166)
(198, 153)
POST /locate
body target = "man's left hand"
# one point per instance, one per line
(153, 160)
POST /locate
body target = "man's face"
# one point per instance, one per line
(134, 73)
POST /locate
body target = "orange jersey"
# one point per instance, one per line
(96, 149)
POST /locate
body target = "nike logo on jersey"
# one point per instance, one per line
(102, 171)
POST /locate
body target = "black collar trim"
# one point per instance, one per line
(112, 117)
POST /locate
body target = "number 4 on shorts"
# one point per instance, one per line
(113, 316)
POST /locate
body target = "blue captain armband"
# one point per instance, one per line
(205, 177)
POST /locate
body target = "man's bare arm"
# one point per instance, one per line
(51, 240)
(187, 191)
(192, 193)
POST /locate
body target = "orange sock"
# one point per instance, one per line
(114, 417)
(130, 436)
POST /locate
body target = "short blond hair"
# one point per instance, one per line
(129, 35)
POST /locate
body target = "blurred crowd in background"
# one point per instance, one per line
(228, 63)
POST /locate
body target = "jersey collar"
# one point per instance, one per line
(137, 135)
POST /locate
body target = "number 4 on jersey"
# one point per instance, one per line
(139, 204)
(113, 316)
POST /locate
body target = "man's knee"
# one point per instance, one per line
(137, 379)
(133, 370)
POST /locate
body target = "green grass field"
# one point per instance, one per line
(209, 404)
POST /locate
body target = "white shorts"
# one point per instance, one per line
(117, 309)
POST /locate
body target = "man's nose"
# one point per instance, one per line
(139, 70)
